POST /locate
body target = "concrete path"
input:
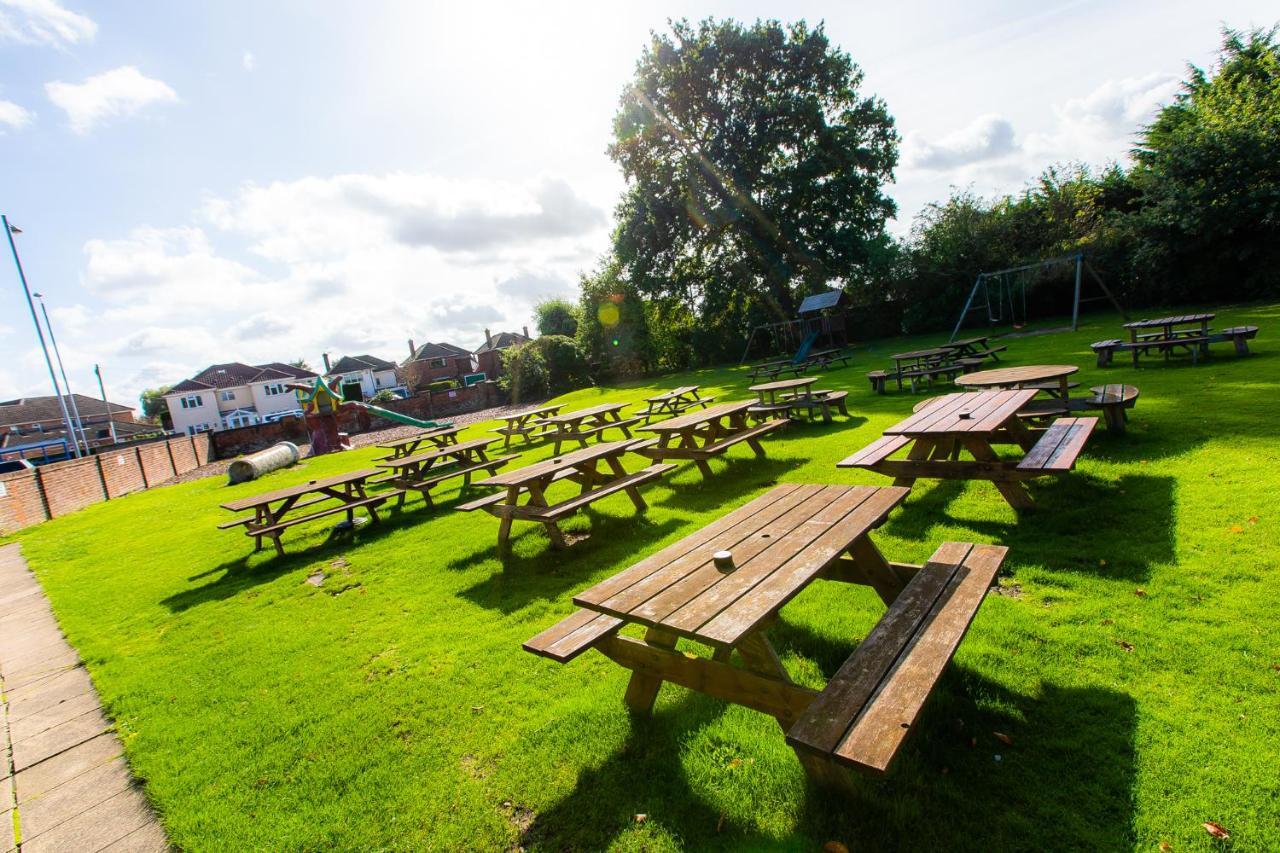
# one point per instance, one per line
(64, 783)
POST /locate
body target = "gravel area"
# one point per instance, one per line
(365, 439)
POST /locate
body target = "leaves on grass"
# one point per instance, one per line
(1140, 592)
(1216, 829)
(1003, 738)
(1253, 519)
(1128, 647)
(1108, 621)
(834, 847)
(1165, 847)
(735, 762)
(640, 818)
(1235, 528)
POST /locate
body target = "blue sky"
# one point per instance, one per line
(204, 182)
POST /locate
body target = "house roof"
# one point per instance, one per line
(235, 373)
(124, 431)
(440, 350)
(502, 340)
(30, 409)
(353, 363)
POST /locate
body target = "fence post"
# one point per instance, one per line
(142, 469)
(102, 475)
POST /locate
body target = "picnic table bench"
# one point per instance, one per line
(424, 471)
(704, 434)
(973, 421)
(673, 402)
(974, 348)
(1051, 380)
(822, 359)
(525, 423)
(582, 467)
(271, 510)
(440, 436)
(1166, 335)
(771, 369)
(583, 424)
(917, 365)
(724, 585)
(797, 396)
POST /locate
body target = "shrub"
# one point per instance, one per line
(566, 366)
(524, 373)
(556, 317)
(383, 396)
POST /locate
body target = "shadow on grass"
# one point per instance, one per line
(1080, 523)
(235, 575)
(1065, 782)
(731, 477)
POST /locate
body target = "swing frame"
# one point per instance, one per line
(1081, 266)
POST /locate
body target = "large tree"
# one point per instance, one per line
(754, 164)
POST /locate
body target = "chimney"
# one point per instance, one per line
(526, 331)
(325, 356)
(488, 338)
(412, 349)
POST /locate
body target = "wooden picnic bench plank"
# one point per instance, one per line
(520, 476)
(572, 636)
(452, 450)
(880, 449)
(371, 502)
(1059, 446)
(299, 489)
(693, 419)
(630, 481)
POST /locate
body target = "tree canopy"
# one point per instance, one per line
(755, 166)
(556, 317)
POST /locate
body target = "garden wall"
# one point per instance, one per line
(50, 491)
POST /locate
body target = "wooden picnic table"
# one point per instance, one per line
(424, 471)
(673, 402)
(440, 436)
(582, 467)
(1164, 336)
(1051, 379)
(271, 510)
(724, 585)
(974, 348)
(797, 395)
(525, 423)
(1167, 327)
(583, 424)
(703, 434)
(973, 421)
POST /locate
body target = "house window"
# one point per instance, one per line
(439, 362)
(273, 389)
(104, 433)
(194, 401)
(228, 396)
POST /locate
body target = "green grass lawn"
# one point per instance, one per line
(1134, 657)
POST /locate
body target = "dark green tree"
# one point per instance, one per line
(556, 317)
(613, 329)
(1208, 169)
(153, 402)
(754, 163)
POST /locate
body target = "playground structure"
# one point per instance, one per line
(322, 405)
(817, 323)
(1003, 293)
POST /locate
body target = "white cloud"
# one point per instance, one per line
(43, 22)
(120, 92)
(987, 137)
(248, 61)
(13, 116)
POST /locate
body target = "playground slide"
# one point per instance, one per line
(396, 416)
(805, 346)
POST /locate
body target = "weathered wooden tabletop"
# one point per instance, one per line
(784, 384)
(673, 394)
(968, 412)
(301, 489)
(593, 411)
(550, 467)
(1009, 377)
(455, 451)
(1161, 322)
(779, 542)
(916, 355)
(538, 411)
(698, 418)
(427, 435)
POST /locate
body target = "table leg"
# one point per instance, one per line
(615, 465)
(919, 452)
(504, 525)
(537, 498)
(876, 569)
(1014, 492)
(642, 688)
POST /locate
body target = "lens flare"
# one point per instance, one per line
(608, 314)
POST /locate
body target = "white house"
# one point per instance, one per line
(361, 376)
(223, 396)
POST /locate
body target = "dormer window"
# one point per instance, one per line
(192, 401)
(228, 396)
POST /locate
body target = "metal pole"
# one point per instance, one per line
(22, 277)
(111, 422)
(66, 383)
(965, 312)
(1075, 307)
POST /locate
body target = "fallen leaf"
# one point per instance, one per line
(1165, 847)
(1108, 621)
(1215, 829)
(641, 818)
(735, 762)
(1235, 528)
(1102, 562)
(1128, 647)
(834, 847)
(1140, 592)
(1276, 667)
(476, 709)
(339, 562)
(1253, 519)
(1003, 738)
(720, 823)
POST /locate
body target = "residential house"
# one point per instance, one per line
(224, 396)
(32, 427)
(361, 376)
(489, 354)
(434, 362)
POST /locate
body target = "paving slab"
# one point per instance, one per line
(91, 830)
(65, 766)
(70, 799)
(55, 715)
(147, 839)
(7, 842)
(48, 668)
(58, 739)
(36, 697)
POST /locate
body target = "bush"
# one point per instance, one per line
(383, 396)
(566, 366)
(524, 373)
(613, 329)
(442, 385)
(556, 317)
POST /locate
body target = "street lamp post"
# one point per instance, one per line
(66, 383)
(22, 277)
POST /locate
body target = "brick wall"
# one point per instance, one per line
(72, 485)
(229, 443)
(30, 497)
(22, 502)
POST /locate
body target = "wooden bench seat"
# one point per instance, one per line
(1043, 409)
(870, 706)
(875, 452)
(989, 351)
(572, 635)
(1049, 386)
(1238, 335)
(837, 399)
(1112, 400)
(372, 501)
(746, 435)
(569, 507)
(1105, 349)
(1059, 446)
(950, 371)
(878, 379)
(249, 519)
(487, 500)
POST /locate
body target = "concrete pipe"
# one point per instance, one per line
(252, 467)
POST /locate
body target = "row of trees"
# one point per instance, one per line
(756, 171)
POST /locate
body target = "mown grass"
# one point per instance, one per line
(1134, 661)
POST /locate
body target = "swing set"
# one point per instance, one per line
(1002, 294)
